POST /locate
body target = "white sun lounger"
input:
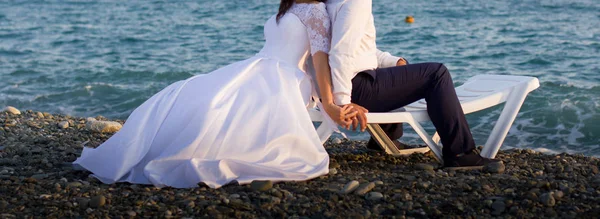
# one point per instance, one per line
(478, 93)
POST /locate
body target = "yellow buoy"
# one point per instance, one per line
(409, 19)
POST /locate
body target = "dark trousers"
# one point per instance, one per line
(386, 89)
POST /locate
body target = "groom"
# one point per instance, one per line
(365, 77)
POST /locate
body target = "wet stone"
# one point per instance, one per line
(495, 167)
(350, 187)
(63, 124)
(364, 188)
(97, 201)
(547, 199)
(423, 166)
(11, 110)
(374, 196)
(498, 207)
(259, 185)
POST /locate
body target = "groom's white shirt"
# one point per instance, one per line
(353, 47)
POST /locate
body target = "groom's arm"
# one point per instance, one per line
(348, 30)
(386, 60)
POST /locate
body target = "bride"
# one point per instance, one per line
(246, 121)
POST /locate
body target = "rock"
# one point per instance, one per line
(63, 124)
(350, 187)
(83, 203)
(3, 204)
(379, 183)
(558, 194)
(11, 110)
(498, 206)
(131, 213)
(424, 185)
(259, 185)
(39, 115)
(364, 188)
(74, 184)
(548, 199)
(48, 115)
(594, 169)
(423, 166)
(234, 196)
(333, 171)
(40, 176)
(30, 180)
(374, 196)
(103, 126)
(337, 141)
(495, 167)
(97, 201)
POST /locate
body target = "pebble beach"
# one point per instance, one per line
(37, 180)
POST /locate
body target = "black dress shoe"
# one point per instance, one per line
(372, 144)
(468, 161)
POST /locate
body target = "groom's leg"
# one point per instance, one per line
(362, 82)
(395, 87)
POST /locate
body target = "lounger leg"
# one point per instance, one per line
(428, 140)
(388, 145)
(506, 119)
(382, 139)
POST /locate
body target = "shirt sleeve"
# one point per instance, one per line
(319, 29)
(347, 31)
(386, 60)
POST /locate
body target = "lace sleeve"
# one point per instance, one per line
(318, 27)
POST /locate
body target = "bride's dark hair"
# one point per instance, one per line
(286, 5)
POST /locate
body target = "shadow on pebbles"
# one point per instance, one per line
(37, 180)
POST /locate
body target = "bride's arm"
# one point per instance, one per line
(341, 115)
(318, 27)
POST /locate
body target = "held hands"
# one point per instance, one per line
(358, 117)
(341, 115)
(348, 116)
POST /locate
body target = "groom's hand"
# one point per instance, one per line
(401, 62)
(360, 118)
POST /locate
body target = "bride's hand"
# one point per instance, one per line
(340, 115)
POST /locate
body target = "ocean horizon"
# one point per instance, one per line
(90, 58)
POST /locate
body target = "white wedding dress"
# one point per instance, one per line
(246, 121)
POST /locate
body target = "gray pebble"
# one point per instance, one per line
(97, 201)
(495, 167)
(131, 213)
(548, 199)
(374, 196)
(558, 194)
(63, 124)
(259, 185)
(364, 188)
(83, 203)
(11, 110)
(337, 141)
(350, 187)
(103, 126)
(74, 184)
(424, 185)
(40, 176)
(498, 206)
(423, 166)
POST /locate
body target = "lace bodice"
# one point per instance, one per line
(318, 25)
